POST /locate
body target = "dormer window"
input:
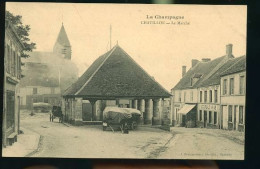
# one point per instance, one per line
(195, 78)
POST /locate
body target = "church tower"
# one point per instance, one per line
(62, 45)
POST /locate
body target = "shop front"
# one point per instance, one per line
(208, 116)
(187, 116)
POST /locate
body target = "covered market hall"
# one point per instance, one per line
(114, 79)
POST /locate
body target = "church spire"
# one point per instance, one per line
(62, 44)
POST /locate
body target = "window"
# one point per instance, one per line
(210, 116)
(184, 97)
(34, 90)
(230, 113)
(46, 100)
(18, 67)
(52, 90)
(177, 117)
(241, 114)
(205, 116)
(10, 109)
(216, 96)
(180, 97)
(224, 86)
(242, 85)
(63, 51)
(191, 96)
(13, 63)
(231, 86)
(35, 100)
(205, 96)
(8, 59)
(200, 115)
(215, 117)
(200, 96)
(210, 96)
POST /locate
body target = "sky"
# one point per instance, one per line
(161, 49)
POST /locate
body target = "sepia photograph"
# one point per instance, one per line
(124, 81)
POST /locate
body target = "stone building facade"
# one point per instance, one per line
(200, 91)
(12, 76)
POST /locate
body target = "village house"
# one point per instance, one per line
(233, 85)
(114, 79)
(196, 100)
(209, 109)
(12, 76)
(48, 74)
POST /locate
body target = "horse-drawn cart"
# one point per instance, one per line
(41, 107)
(56, 112)
(122, 118)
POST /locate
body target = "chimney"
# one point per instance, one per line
(183, 70)
(194, 62)
(229, 50)
(205, 59)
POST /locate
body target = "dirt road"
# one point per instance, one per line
(59, 140)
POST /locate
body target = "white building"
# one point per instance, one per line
(199, 93)
(233, 85)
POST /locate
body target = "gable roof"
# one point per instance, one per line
(214, 79)
(201, 68)
(116, 74)
(239, 66)
(62, 37)
(8, 25)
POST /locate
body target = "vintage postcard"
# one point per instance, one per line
(124, 81)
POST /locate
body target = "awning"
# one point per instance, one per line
(186, 108)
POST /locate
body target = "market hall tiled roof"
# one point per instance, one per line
(202, 69)
(116, 74)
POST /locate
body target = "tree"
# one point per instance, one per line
(22, 31)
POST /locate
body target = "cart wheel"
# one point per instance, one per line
(134, 126)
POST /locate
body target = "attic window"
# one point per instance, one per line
(195, 78)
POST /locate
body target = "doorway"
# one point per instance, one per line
(224, 117)
(183, 117)
(86, 111)
(205, 119)
(10, 111)
(235, 118)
